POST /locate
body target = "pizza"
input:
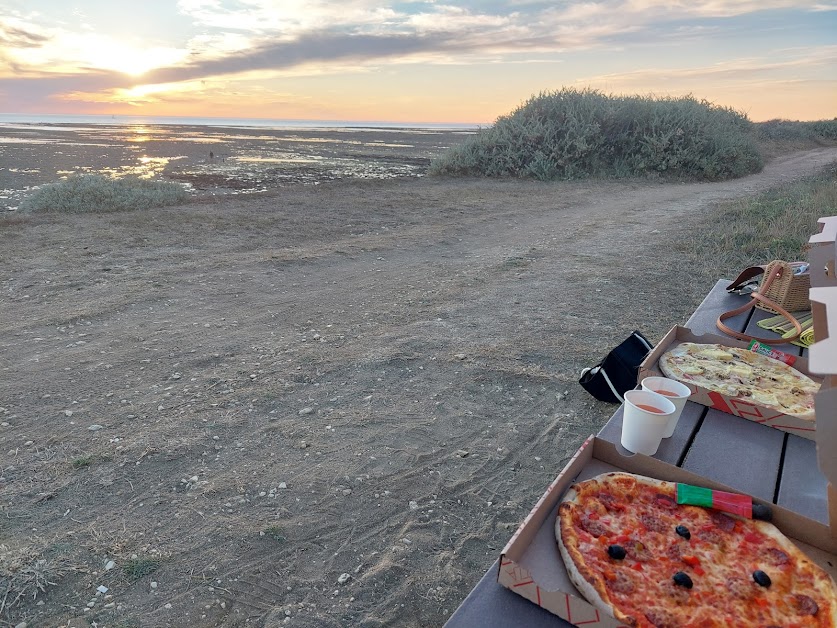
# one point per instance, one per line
(744, 374)
(636, 554)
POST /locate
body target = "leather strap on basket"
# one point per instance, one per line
(756, 297)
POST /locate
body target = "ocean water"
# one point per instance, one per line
(262, 123)
(211, 155)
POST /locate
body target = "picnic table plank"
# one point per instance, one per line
(803, 487)
(753, 329)
(671, 449)
(713, 305)
(741, 454)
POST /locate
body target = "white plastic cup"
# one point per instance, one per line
(645, 418)
(674, 391)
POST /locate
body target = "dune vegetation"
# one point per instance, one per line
(574, 134)
(97, 193)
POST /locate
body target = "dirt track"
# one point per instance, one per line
(367, 378)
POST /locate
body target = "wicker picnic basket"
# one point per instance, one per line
(788, 290)
(781, 291)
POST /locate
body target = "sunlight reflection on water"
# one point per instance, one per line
(213, 160)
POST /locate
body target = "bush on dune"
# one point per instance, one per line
(777, 137)
(571, 134)
(824, 131)
(96, 193)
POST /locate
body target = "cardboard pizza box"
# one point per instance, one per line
(822, 355)
(823, 360)
(826, 402)
(738, 407)
(827, 231)
(531, 565)
(822, 253)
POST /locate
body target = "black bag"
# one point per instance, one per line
(611, 378)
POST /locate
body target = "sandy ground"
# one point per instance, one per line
(328, 406)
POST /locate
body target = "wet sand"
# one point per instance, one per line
(213, 160)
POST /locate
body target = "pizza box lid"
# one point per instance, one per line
(531, 565)
(827, 231)
(823, 358)
(822, 254)
(730, 405)
(827, 443)
(822, 355)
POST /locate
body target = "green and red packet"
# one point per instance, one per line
(770, 352)
(720, 500)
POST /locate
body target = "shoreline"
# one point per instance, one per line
(213, 160)
(259, 123)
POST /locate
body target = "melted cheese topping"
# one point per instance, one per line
(719, 558)
(744, 374)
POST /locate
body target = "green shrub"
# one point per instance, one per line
(83, 461)
(96, 193)
(136, 568)
(784, 130)
(572, 134)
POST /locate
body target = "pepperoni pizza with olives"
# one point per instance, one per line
(636, 554)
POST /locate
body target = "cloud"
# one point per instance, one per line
(432, 33)
(285, 16)
(739, 70)
(34, 93)
(310, 48)
(16, 36)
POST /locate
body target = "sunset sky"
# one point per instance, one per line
(410, 61)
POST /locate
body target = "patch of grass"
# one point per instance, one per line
(82, 461)
(97, 193)
(756, 230)
(513, 263)
(572, 134)
(275, 533)
(136, 568)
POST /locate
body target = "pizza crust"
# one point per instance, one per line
(579, 582)
(823, 581)
(586, 588)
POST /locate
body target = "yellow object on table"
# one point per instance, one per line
(785, 328)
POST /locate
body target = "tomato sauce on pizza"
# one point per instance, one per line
(636, 554)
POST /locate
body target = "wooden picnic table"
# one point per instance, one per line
(753, 458)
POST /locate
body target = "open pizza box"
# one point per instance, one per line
(822, 253)
(823, 360)
(737, 406)
(531, 565)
